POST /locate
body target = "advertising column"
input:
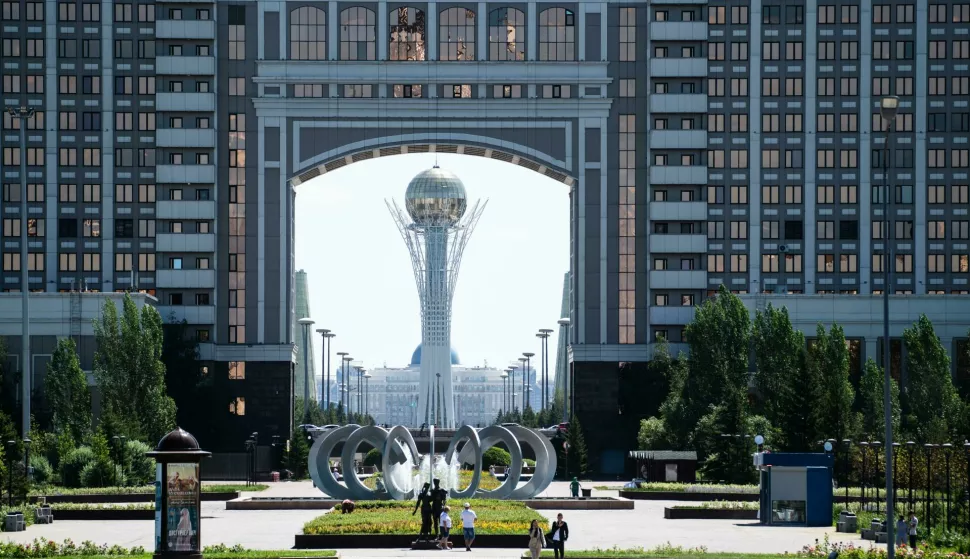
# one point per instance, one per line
(183, 507)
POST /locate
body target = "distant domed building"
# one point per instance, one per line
(477, 392)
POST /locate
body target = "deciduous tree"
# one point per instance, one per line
(934, 410)
(831, 390)
(872, 402)
(67, 391)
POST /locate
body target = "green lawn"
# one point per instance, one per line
(102, 506)
(44, 548)
(139, 489)
(281, 554)
(394, 517)
(662, 552)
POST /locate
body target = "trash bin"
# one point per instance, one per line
(587, 492)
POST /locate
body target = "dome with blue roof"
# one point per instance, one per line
(416, 357)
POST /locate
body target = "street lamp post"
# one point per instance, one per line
(909, 480)
(367, 377)
(11, 446)
(888, 107)
(22, 114)
(525, 374)
(512, 388)
(528, 374)
(570, 396)
(544, 334)
(505, 378)
(325, 369)
(306, 323)
(340, 377)
(360, 393)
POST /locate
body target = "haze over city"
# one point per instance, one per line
(360, 278)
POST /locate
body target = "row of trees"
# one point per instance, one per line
(799, 394)
(136, 410)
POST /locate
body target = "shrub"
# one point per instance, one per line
(101, 473)
(373, 458)
(43, 472)
(495, 457)
(139, 469)
(73, 464)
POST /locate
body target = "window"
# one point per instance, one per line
(237, 406)
(739, 15)
(66, 262)
(793, 50)
(850, 50)
(826, 50)
(826, 263)
(308, 34)
(850, 14)
(358, 90)
(237, 32)
(557, 34)
(358, 39)
(739, 262)
(739, 51)
(92, 193)
(769, 230)
(904, 263)
(848, 263)
(661, 300)
(739, 229)
(716, 15)
(936, 229)
(628, 87)
(123, 262)
(771, 15)
(628, 34)
(456, 34)
(825, 230)
(92, 262)
(91, 228)
(237, 87)
(627, 229)
(771, 50)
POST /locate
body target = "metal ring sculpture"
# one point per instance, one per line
(399, 451)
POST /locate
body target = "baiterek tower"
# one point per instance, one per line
(436, 229)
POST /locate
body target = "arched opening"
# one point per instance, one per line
(361, 277)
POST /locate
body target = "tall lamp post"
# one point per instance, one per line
(22, 114)
(528, 374)
(543, 336)
(505, 379)
(525, 375)
(325, 369)
(306, 323)
(888, 107)
(512, 370)
(570, 401)
(367, 377)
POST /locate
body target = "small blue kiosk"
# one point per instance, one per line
(796, 488)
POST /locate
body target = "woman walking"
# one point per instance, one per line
(535, 539)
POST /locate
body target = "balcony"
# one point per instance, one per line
(678, 103)
(186, 279)
(185, 174)
(671, 315)
(185, 209)
(678, 244)
(185, 65)
(185, 242)
(678, 67)
(185, 138)
(180, 102)
(678, 139)
(672, 279)
(678, 211)
(193, 314)
(185, 29)
(682, 174)
(678, 31)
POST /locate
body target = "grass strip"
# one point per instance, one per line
(662, 552)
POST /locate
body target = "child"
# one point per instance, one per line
(444, 525)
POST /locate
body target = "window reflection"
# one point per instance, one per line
(308, 34)
(557, 34)
(407, 34)
(358, 36)
(457, 34)
(506, 34)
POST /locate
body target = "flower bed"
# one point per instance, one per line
(43, 548)
(142, 494)
(89, 511)
(395, 518)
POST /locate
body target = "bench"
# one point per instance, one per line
(43, 515)
(14, 522)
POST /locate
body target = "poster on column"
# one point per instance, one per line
(182, 488)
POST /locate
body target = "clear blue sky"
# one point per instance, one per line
(360, 277)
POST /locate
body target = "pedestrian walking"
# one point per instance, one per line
(535, 539)
(444, 527)
(559, 533)
(902, 531)
(913, 526)
(468, 518)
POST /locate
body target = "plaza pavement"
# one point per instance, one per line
(644, 527)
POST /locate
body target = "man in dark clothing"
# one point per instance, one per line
(558, 534)
(439, 497)
(424, 501)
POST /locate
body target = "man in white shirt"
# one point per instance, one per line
(913, 526)
(468, 517)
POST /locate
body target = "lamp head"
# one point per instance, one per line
(323, 331)
(368, 375)
(563, 322)
(888, 107)
(545, 331)
(529, 354)
(505, 375)
(305, 321)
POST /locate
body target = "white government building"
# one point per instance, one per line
(392, 392)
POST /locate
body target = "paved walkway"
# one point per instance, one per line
(642, 527)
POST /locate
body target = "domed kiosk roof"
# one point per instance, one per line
(435, 196)
(416, 357)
